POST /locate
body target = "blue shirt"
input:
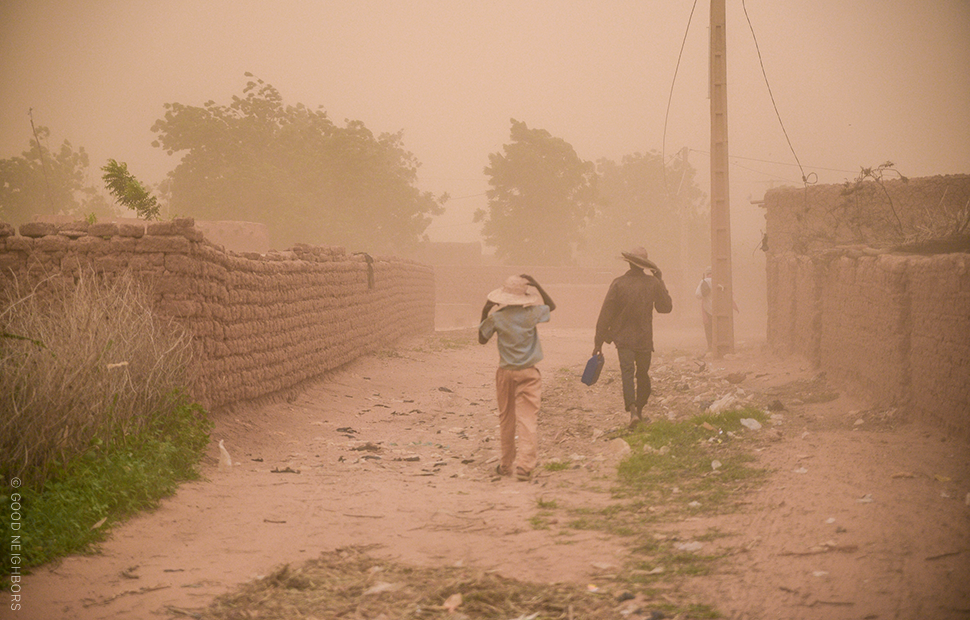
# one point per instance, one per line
(518, 338)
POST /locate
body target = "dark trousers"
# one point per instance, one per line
(635, 372)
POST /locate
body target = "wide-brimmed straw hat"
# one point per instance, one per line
(515, 292)
(638, 257)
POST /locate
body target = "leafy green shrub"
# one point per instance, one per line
(128, 191)
(82, 498)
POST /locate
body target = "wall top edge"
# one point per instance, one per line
(185, 227)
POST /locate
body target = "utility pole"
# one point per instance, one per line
(723, 292)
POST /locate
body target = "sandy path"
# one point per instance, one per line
(396, 451)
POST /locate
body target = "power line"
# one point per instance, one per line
(663, 144)
(770, 94)
(450, 198)
(781, 163)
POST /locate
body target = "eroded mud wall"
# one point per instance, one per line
(894, 326)
(262, 324)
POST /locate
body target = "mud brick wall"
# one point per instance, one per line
(895, 327)
(262, 323)
(815, 217)
(792, 301)
(939, 348)
(864, 324)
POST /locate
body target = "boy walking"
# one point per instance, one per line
(518, 383)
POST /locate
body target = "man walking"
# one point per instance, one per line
(518, 383)
(705, 292)
(626, 320)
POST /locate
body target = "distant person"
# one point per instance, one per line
(626, 320)
(518, 383)
(705, 292)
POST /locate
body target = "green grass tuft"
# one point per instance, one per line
(109, 482)
(673, 462)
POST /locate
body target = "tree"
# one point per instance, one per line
(43, 182)
(129, 191)
(291, 168)
(650, 204)
(540, 198)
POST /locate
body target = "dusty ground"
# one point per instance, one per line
(864, 515)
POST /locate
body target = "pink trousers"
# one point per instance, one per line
(519, 397)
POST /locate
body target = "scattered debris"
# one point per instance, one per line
(328, 586)
(382, 586)
(618, 447)
(225, 462)
(725, 403)
(751, 423)
(104, 601)
(453, 602)
(825, 547)
(285, 470)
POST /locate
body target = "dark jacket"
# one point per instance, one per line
(626, 318)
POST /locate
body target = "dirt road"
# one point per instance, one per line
(864, 515)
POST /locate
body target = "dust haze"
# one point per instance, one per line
(854, 83)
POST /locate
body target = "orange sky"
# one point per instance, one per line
(857, 82)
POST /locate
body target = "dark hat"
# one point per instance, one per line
(638, 258)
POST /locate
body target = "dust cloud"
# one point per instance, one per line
(854, 84)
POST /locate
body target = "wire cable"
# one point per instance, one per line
(663, 144)
(780, 163)
(771, 95)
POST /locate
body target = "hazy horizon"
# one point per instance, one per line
(856, 83)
